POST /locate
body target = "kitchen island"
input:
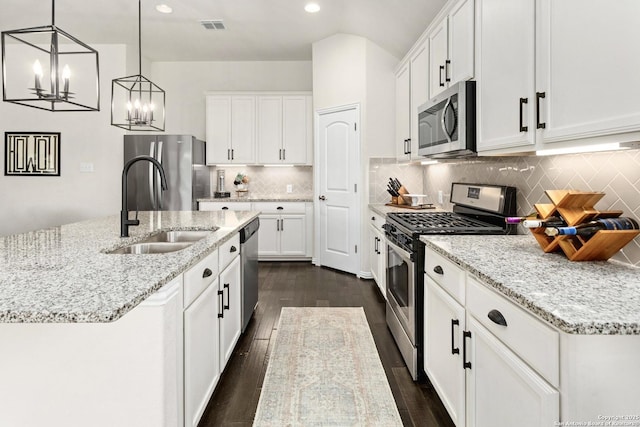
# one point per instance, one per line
(95, 338)
(558, 339)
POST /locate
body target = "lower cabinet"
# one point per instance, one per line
(491, 363)
(282, 235)
(503, 391)
(285, 230)
(443, 363)
(201, 356)
(377, 258)
(212, 324)
(229, 293)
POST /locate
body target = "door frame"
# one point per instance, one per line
(316, 180)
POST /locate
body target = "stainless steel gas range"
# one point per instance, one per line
(478, 209)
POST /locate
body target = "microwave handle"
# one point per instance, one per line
(443, 120)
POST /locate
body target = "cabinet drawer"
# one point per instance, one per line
(279, 207)
(219, 206)
(445, 273)
(377, 220)
(528, 337)
(228, 251)
(198, 277)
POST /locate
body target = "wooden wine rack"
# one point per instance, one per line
(576, 207)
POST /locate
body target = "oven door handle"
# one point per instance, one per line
(403, 253)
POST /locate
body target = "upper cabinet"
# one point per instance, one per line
(451, 48)
(230, 125)
(403, 121)
(259, 128)
(412, 90)
(284, 128)
(547, 79)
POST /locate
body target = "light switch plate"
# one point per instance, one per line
(440, 197)
(86, 167)
(289, 188)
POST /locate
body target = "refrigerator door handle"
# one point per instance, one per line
(152, 178)
(157, 177)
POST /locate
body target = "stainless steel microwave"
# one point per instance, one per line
(447, 123)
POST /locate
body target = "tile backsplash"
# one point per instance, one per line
(268, 181)
(380, 170)
(615, 173)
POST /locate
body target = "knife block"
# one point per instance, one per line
(576, 207)
(399, 200)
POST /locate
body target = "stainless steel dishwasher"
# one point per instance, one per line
(249, 269)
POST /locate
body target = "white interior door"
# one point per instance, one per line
(339, 166)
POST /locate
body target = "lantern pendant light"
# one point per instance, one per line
(137, 104)
(60, 63)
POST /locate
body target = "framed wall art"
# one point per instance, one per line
(32, 153)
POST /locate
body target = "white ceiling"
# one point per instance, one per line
(261, 30)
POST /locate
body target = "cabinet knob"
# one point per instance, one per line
(438, 269)
(279, 208)
(496, 317)
(233, 249)
(207, 273)
(224, 208)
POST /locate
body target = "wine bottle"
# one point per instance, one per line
(519, 219)
(587, 229)
(553, 221)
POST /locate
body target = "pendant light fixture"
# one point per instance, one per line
(137, 104)
(47, 68)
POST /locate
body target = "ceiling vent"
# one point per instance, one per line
(213, 24)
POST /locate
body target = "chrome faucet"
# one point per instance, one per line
(125, 222)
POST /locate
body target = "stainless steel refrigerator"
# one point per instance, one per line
(183, 160)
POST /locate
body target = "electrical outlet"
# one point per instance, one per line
(86, 167)
(440, 197)
(289, 188)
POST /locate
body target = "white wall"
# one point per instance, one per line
(350, 69)
(185, 84)
(29, 203)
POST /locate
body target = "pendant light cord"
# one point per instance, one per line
(139, 37)
(53, 13)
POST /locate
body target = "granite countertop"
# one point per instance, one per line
(62, 275)
(260, 198)
(596, 297)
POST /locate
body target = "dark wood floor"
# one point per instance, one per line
(297, 284)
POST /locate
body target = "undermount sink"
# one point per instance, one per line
(152, 248)
(164, 242)
(179, 236)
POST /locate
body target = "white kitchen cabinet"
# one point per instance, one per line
(443, 325)
(503, 391)
(411, 92)
(284, 232)
(201, 336)
(587, 76)
(284, 129)
(230, 294)
(403, 113)
(546, 79)
(451, 48)
(482, 351)
(230, 123)
(224, 206)
(378, 252)
(201, 356)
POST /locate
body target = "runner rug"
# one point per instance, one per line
(324, 370)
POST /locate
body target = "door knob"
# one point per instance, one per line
(322, 198)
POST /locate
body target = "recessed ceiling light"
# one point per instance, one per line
(312, 7)
(163, 8)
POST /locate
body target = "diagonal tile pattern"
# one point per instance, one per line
(615, 173)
